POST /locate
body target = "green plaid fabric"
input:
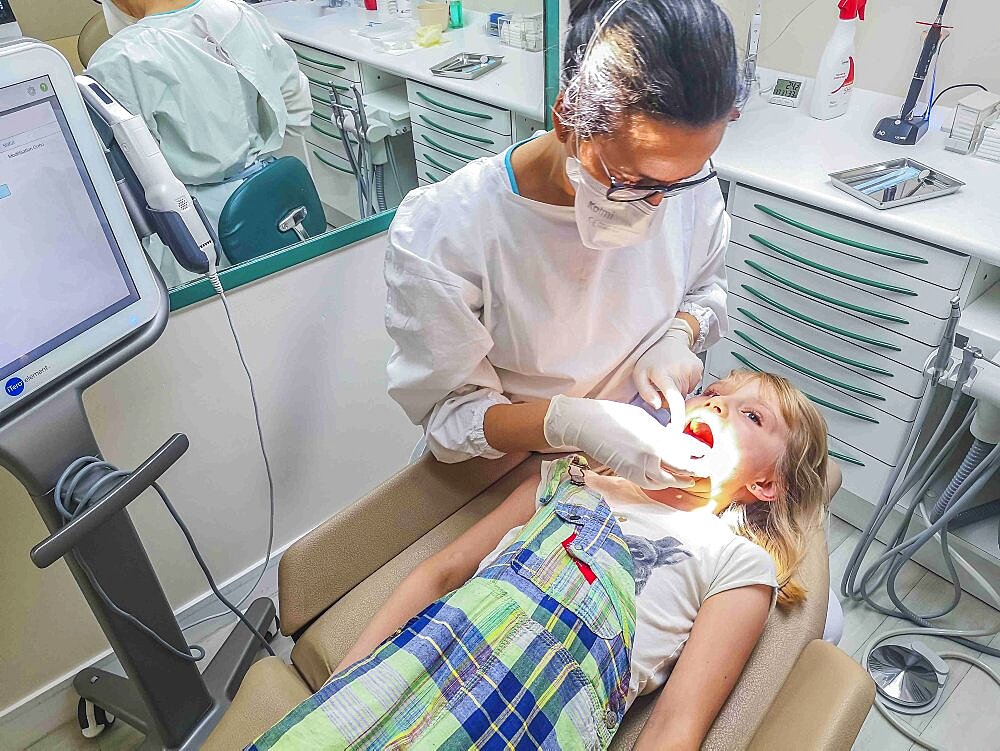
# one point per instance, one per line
(531, 653)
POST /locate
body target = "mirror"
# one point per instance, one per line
(378, 115)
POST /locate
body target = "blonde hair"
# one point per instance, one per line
(784, 526)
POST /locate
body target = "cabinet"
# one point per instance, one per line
(847, 311)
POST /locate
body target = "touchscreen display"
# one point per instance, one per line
(61, 270)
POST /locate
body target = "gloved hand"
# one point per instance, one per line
(627, 440)
(669, 368)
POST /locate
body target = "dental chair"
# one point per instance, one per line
(275, 207)
(796, 692)
(93, 34)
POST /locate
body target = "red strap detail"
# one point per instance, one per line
(587, 571)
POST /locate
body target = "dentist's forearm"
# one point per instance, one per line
(516, 427)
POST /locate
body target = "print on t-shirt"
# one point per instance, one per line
(650, 555)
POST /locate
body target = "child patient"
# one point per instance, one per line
(539, 626)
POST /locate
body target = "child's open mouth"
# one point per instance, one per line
(700, 431)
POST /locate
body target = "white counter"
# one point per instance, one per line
(517, 85)
(785, 151)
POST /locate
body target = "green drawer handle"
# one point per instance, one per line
(431, 177)
(825, 298)
(450, 108)
(820, 324)
(806, 371)
(446, 150)
(328, 163)
(812, 347)
(816, 399)
(845, 458)
(838, 238)
(317, 61)
(456, 133)
(830, 270)
(317, 82)
(437, 164)
(325, 132)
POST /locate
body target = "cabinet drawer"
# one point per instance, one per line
(321, 81)
(869, 430)
(438, 159)
(334, 181)
(824, 317)
(860, 364)
(857, 272)
(934, 264)
(465, 134)
(445, 143)
(834, 374)
(430, 174)
(324, 134)
(459, 107)
(864, 475)
(334, 64)
(866, 306)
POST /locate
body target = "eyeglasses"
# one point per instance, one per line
(622, 192)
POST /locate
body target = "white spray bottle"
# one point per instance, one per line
(835, 77)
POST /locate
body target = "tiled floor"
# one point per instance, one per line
(966, 721)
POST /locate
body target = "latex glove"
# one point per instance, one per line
(627, 440)
(669, 368)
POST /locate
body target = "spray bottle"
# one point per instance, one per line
(835, 77)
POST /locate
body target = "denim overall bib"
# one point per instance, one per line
(533, 652)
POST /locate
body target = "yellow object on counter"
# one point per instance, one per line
(433, 14)
(429, 36)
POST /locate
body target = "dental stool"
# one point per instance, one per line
(273, 208)
(796, 692)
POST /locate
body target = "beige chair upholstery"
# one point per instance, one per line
(796, 692)
(93, 34)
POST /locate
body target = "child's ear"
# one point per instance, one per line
(763, 490)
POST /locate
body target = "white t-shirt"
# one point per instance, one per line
(681, 559)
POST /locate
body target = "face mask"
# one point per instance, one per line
(116, 18)
(604, 224)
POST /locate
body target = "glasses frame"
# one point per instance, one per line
(666, 191)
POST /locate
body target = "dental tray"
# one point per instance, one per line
(467, 65)
(933, 185)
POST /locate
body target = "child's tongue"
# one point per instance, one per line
(700, 431)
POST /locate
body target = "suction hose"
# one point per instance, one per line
(380, 187)
(977, 453)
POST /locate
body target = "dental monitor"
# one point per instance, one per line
(74, 279)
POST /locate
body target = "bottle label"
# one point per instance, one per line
(845, 79)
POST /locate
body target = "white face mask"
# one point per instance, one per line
(115, 17)
(604, 224)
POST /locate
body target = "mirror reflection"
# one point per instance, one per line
(290, 118)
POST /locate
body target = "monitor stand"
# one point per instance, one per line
(164, 696)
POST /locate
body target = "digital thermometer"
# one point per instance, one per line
(787, 92)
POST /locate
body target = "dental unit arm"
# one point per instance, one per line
(156, 200)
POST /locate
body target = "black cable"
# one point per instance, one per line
(956, 86)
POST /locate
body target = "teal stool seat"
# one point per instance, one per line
(275, 207)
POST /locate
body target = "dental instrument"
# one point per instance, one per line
(897, 182)
(910, 677)
(906, 128)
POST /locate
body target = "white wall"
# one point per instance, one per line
(888, 42)
(315, 340)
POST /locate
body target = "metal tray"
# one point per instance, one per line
(467, 65)
(934, 185)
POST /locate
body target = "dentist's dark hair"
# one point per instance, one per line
(671, 60)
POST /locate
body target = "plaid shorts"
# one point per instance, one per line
(533, 652)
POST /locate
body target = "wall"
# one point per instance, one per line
(888, 42)
(57, 22)
(315, 340)
(507, 6)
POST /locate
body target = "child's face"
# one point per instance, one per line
(745, 428)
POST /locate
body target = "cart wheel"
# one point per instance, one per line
(92, 718)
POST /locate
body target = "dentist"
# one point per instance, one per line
(534, 294)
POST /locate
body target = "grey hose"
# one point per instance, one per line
(379, 171)
(977, 453)
(392, 166)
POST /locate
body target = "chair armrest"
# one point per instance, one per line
(821, 705)
(326, 563)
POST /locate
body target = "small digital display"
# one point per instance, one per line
(6, 12)
(786, 88)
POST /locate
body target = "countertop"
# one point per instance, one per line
(784, 151)
(518, 84)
